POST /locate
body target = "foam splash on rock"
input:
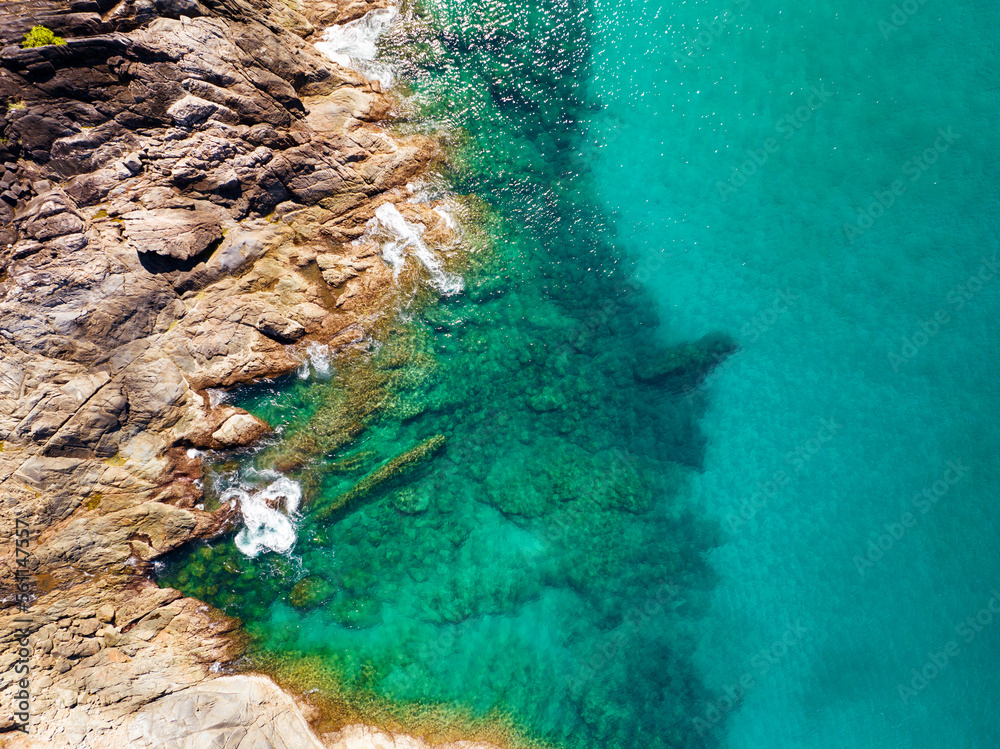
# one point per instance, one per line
(449, 219)
(269, 516)
(353, 45)
(317, 361)
(401, 238)
(217, 396)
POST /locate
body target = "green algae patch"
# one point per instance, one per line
(40, 36)
(395, 467)
(363, 388)
(339, 706)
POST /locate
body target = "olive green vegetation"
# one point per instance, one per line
(40, 36)
(340, 706)
(318, 435)
(310, 591)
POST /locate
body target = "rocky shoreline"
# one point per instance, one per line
(182, 186)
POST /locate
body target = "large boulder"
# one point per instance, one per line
(179, 233)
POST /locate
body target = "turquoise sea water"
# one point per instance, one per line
(628, 554)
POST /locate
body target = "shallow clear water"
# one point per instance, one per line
(693, 559)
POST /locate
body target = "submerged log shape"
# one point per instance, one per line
(398, 465)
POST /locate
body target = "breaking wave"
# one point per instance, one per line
(353, 45)
(269, 516)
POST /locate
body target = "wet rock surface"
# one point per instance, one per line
(169, 178)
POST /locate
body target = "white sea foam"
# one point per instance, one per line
(401, 238)
(317, 361)
(269, 516)
(449, 219)
(428, 191)
(319, 358)
(217, 396)
(352, 45)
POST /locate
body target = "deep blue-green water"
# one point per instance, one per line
(620, 544)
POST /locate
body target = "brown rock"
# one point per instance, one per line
(89, 627)
(239, 429)
(279, 328)
(106, 614)
(192, 110)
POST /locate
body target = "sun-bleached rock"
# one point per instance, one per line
(239, 429)
(236, 712)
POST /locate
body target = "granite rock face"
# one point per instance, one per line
(169, 179)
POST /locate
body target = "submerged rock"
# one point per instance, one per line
(684, 367)
(356, 613)
(411, 501)
(389, 470)
(311, 591)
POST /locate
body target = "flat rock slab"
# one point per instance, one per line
(172, 232)
(235, 712)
